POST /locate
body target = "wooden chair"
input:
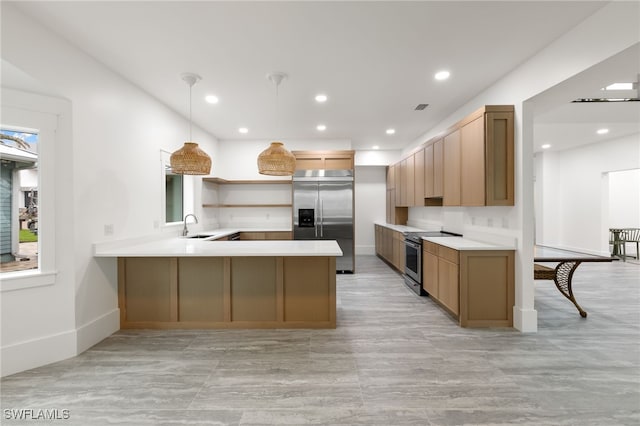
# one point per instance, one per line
(630, 236)
(617, 243)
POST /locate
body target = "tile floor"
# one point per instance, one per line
(395, 359)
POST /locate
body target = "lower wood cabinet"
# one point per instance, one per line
(390, 246)
(475, 286)
(278, 235)
(227, 292)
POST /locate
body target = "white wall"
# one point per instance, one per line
(110, 175)
(370, 199)
(588, 44)
(573, 189)
(624, 199)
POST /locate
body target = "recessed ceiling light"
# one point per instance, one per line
(619, 86)
(602, 131)
(391, 131)
(375, 147)
(442, 75)
(212, 99)
(243, 130)
(546, 146)
(321, 98)
(321, 127)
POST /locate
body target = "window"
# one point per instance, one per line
(18, 200)
(173, 193)
(173, 196)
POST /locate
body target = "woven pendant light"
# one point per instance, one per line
(276, 160)
(190, 160)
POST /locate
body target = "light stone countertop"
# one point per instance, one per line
(197, 247)
(461, 243)
(214, 234)
(401, 228)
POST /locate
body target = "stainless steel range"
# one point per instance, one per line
(413, 257)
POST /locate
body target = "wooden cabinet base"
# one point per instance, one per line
(227, 292)
(476, 287)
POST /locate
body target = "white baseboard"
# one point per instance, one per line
(37, 352)
(57, 347)
(525, 320)
(97, 330)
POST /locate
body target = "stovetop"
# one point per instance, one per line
(417, 236)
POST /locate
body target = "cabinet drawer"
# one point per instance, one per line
(430, 247)
(449, 254)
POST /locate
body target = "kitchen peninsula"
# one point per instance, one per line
(181, 283)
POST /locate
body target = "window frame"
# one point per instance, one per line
(23, 111)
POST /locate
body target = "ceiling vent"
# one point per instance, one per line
(420, 107)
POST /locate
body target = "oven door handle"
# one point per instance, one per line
(412, 244)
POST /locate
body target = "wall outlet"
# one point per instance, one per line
(505, 222)
(156, 224)
(108, 230)
(490, 222)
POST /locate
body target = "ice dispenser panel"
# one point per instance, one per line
(307, 218)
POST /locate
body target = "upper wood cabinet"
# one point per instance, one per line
(409, 170)
(418, 173)
(401, 185)
(451, 193)
(428, 171)
(391, 177)
(487, 158)
(499, 158)
(472, 163)
(434, 170)
(438, 168)
(324, 160)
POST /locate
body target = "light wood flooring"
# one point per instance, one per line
(394, 359)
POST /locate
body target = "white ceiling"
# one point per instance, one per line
(375, 60)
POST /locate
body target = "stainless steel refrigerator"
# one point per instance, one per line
(323, 210)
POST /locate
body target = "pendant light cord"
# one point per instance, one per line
(190, 136)
(277, 112)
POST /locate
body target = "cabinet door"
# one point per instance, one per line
(472, 163)
(448, 285)
(388, 244)
(398, 251)
(391, 177)
(499, 159)
(403, 183)
(277, 235)
(398, 182)
(338, 163)
(309, 162)
(451, 196)
(430, 273)
(428, 171)
(418, 172)
(438, 168)
(252, 235)
(410, 165)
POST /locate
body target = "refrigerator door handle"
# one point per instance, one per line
(321, 218)
(315, 223)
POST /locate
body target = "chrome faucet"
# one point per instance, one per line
(185, 231)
